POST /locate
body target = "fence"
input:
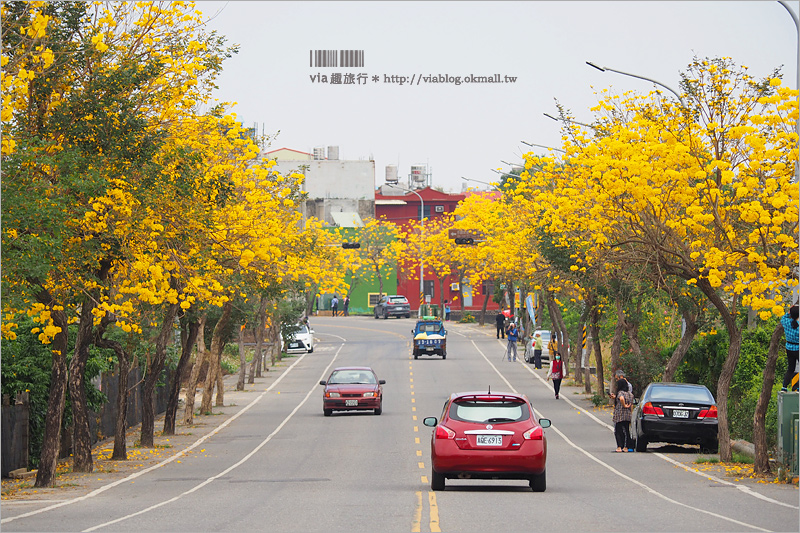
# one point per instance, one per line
(102, 424)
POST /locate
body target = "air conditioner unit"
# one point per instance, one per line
(454, 286)
(439, 209)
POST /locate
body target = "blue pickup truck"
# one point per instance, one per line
(430, 337)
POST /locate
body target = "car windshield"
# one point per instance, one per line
(488, 411)
(398, 300)
(301, 330)
(690, 394)
(351, 377)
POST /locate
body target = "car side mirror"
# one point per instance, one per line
(323, 383)
(412, 331)
(430, 421)
(381, 382)
(635, 401)
(545, 422)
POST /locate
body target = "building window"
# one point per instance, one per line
(427, 211)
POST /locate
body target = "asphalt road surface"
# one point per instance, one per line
(281, 466)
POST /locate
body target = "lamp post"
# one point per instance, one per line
(670, 89)
(422, 237)
(570, 121)
(543, 146)
(479, 181)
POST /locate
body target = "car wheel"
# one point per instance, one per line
(327, 412)
(709, 446)
(539, 482)
(416, 355)
(376, 315)
(379, 410)
(437, 480)
(444, 356)
(641, 444)
(408, 315)
(311, 350)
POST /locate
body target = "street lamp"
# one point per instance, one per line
(543, 146)
(422, 237)
(479, 181)
(570, 121)
(603, 69)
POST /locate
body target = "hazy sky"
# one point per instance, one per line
(468, 129)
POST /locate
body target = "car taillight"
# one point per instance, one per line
(444, 432)
(534, 433)
(711, 412)
(650, 409)
(332, 394)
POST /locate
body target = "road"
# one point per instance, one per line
(281, 466)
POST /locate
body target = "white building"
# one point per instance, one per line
(337, 189)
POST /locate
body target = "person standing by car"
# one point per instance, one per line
(623, 401)
(346, 304)
(447, 309)
(537, 350)
(556, 372)
(512, 335)
(500, 322)
(334, 305)
(790, 331)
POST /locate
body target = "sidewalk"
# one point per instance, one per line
(72, 485)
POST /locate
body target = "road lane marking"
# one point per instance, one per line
(611, 468)
(417, 520)
(416, 440)
(421, 465)
(238, 463)
(181, 453)
(419, 453)
(744, 488)
(434, 509)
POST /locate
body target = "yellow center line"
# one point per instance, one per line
(434, 512)
(415, 522)
(411, 380)
(413, 408)
(413, 400)
(416, 429)
(414, 417)
(416, 440)
(419, 453)
(421, 465)
(424, 480)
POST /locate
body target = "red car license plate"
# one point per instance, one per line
(351, 403)
(490, 440)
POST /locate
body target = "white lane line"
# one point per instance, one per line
(162, 463)
(614, 470)
(744, 488)
(233, 466)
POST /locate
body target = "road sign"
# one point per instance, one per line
(454, 233)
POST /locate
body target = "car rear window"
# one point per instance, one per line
(346, 377)
(691, 394)
(430, 328)
(398, 300)
(489, 411)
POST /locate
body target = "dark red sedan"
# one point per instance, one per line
(488, 435)
(352, 388)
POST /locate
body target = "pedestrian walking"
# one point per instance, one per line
(346, 306)
(790, 331)
(623, 401)
(334, 305)
(556, 372)
(552, 344)
(513, 334)
(537, 350)
(500, 322)
(447, 309)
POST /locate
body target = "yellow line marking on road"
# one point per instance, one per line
(434, 512)
(411, 380)
(414, 417)
(416, 440)
(413, 400)
(413, 408)
(415, 522)
(410, 373)
(412, 386)
(416, 429)
(419, 453)
(424, 479)
(421, 465)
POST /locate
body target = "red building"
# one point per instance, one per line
(403, 209)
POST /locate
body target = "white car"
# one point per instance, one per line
(303, 340)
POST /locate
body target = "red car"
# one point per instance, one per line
(488, 435)
(352, 388)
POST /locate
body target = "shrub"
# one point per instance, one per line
(467, 319)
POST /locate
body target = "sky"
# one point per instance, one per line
(469, 129)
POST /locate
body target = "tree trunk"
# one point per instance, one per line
(191, 388)
(220, 402)
(217, 345)
(48, 459)
(598, 356)
(154, 370)
(81, 440)
(728, 367)
(120, 452)
(692, 326)
(242, 361)
(191, 329)
(761, 463)
(261, 322)
(483, 309)
(616, 347)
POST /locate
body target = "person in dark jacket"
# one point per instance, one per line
(500, 322)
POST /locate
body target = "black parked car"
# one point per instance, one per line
(676, 413)
(392, 305)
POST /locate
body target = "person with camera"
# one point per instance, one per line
(623, 402)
